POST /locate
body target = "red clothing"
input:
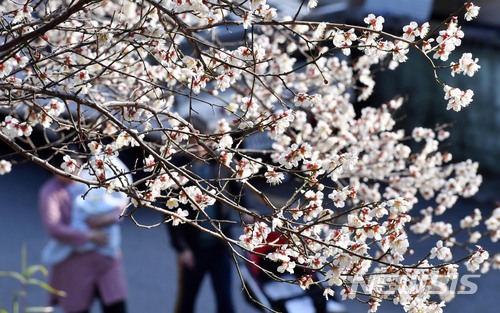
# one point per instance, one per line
(276, 239)
(81, 273)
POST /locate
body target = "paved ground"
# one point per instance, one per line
(149, 260)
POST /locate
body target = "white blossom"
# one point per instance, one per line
(225, 142)
(180, 216)
(311, 4)
(69, 165)
(457, 99)
(472, 11)
(441, 252)
(273, 177)
(479, 257)
(5, 167)
(374, 22)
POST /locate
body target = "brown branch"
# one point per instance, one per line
(61, 18)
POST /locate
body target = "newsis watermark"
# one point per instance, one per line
(389, 284)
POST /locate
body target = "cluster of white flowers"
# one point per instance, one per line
(412, 31)
(197, 6)
(5, 68)
(196, 198)
(466, 65)
(344, 40)
(472, 11)
(493, 225)
(457, 99)
(477, 259)
(471, 221)
(305, 100)
(255, 235)
(11, 127)
(441, 252)
(259, 9)
(124, 84)
(247, 168)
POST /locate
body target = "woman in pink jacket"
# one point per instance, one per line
(84, 276)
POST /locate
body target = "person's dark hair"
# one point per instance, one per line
(73, 150)
(198, 123)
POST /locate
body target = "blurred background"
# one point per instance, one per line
(150, 262)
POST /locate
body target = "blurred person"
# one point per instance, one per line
(84, 247)
(198, 253)
(283, 297)
(280, 300)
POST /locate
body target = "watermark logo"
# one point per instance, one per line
(389, 284)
